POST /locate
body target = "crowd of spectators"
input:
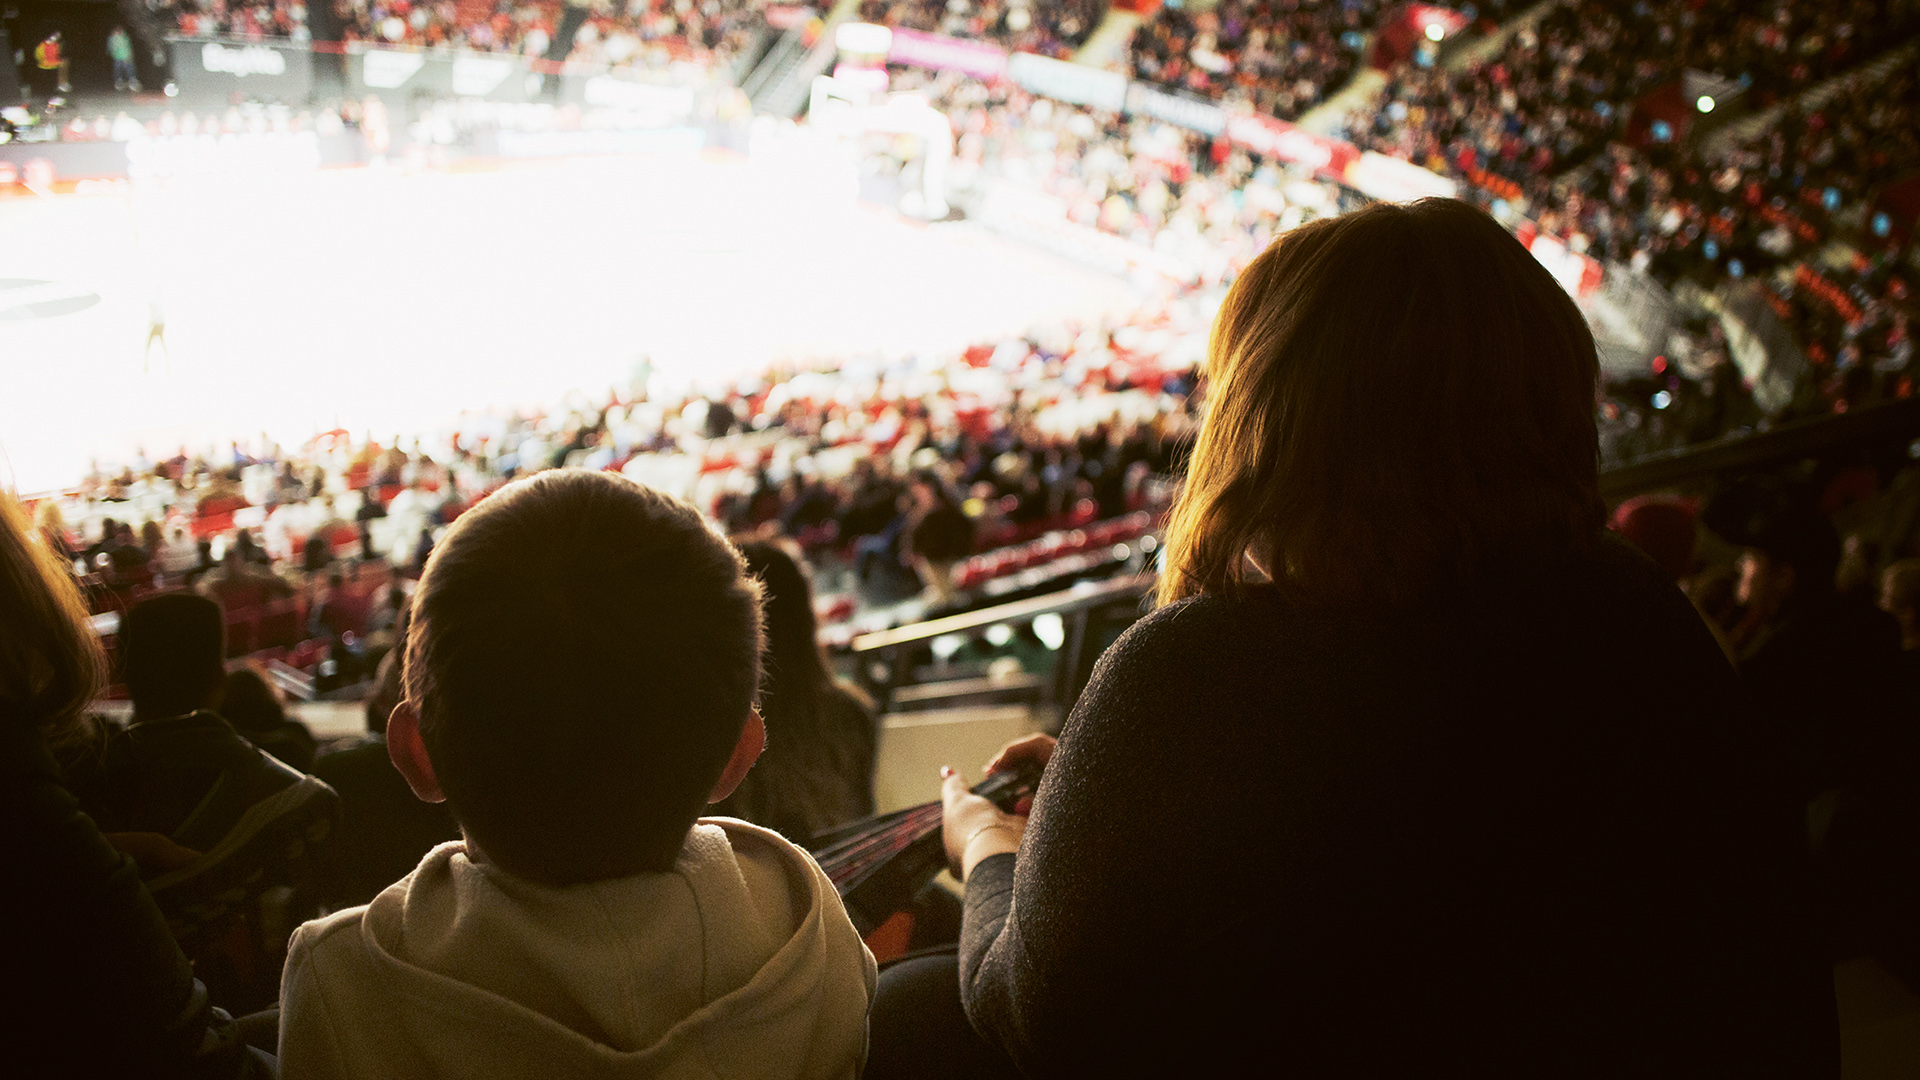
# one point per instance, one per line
(1547, 123)
(1280, 57)
(899, 469)
(624, 33)
(1561, 89)
(1066, 426)
(1206, 206)
(252, 20)
(715, 30)
(1047, 27)
(615, 37)
(1796, 211)
(1211, 207)
(514, 28)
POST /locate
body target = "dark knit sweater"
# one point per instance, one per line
(1527, 834)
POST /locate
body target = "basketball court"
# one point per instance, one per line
(387, 301)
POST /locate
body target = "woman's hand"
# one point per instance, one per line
(1035, 750)
(973, 827)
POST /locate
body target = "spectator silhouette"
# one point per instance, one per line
(817, 771)
(1900, 598)
(252, 595)
(182, 772)
(384, 829)
(111, 993)
(254, 707)
(1819, 663)
(939, 535)
(1357, 798)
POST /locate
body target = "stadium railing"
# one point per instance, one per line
(1036, 652)
(953, 690)
(1886, 425)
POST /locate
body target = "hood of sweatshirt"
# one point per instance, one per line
(740, 961)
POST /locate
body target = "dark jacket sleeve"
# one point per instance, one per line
(104, 984)
(1100, 900)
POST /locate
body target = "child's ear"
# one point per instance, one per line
(409, 753)
(753, 739)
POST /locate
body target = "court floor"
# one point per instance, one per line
(387, 301)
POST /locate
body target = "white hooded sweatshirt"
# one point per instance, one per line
(738, 962)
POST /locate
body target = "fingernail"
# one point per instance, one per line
(945, 771)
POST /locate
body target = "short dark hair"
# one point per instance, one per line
(1804, 538)
(173, 650)
(250, 702)
(1398, 400)
(583, 654)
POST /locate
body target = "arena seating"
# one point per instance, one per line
(1282, 59)
(1579, 119)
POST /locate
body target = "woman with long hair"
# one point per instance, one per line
(817, 770)
(1413, 771)
(104, 990)
(51, 664)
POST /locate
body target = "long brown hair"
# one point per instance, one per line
(1398, 399)
(51, 664)
(817, 771)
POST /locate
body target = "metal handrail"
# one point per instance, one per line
(1078, 597)
(1804, 438)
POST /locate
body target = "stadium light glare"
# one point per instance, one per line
(1705, 104)
(1435, 31)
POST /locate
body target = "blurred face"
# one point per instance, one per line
(1763, 582)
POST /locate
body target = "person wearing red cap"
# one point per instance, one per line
(1663, 526)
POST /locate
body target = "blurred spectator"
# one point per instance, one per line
(1555, 125)
(253, 705)
(817, 771)
(319, 549)
(1055, 28)
(384, 828)
(182, 772)
(120, 51)
(1282, 59)
(1664, 528)
(1819, 663)
(178, 555)
(257, 601)
(939, 535)
(1900, 598)
(1661, 526)
(49, 58)
(51, 527)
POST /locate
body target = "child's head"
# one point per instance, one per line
(580, 671)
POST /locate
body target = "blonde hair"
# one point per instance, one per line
(51, 664)
(1397, 399)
